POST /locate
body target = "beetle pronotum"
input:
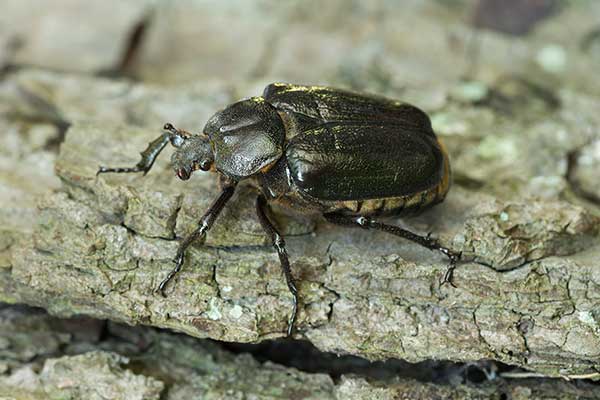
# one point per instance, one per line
(346, 156)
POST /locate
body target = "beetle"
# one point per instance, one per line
(346, 156)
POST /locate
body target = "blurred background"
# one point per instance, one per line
(381, 46)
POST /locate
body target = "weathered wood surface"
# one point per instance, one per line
(42, 357)
(99, 246)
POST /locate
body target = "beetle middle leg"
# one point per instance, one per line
(425, 241)
(279, 245)
(204, 225)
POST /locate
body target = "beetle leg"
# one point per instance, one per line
(425, 241)
(204, 225)
(279, 245)
(449, 275)
(148, 157)
(173, 135)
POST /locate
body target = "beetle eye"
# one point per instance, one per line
(177, 141)
(205, 165)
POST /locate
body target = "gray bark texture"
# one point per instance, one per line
(100, 245)
(81, 358)
(522, 132)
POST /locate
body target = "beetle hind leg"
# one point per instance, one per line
(425, 241)
(279, 245)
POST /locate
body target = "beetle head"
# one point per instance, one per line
(193, 154)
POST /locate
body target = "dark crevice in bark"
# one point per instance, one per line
(131, 51)
(44, 112)
(572, 164)
(304, 356)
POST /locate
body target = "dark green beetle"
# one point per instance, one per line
(319, 150)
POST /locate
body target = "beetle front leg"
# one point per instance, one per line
(173, 135)
(204, 225)
(148, 157)
(279, 245)
(425, 241)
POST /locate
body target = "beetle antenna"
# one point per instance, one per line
(169, 127)
(179, 132)
(177, 136)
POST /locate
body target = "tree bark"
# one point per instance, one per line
(43, 357)
(103, 243)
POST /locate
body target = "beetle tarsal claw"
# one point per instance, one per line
(163, 284)
(169, 127)
(178, 260)
(292, 319)
(160, 289)
(102, 169)
(449, 276)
